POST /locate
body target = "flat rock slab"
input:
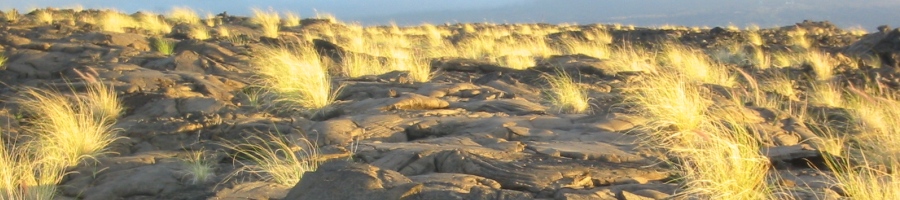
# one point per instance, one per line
(584, 151)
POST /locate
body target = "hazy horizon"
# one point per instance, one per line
(765, 13)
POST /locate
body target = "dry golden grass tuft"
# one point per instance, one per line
(113, 21)
(672, 100)
(291, 19)
(566, 95)
(632, 59)
(821, 63)
(867, 169)
(594, 49)
(296, 75)
(199, 32)
(357, 65)
(44, 16)
(223, 32)
(779, 82)
(184, 15)
(25, 173)
(799, 39)
(723, 161)
(278, 158)
(826, 93)
(11, 15)
(74, 128)
(754, 39)
(211, 20)
(2, 61)
(268, 22)
(162, 45)
(200, 168)
(153, 23)
(695, 66)
(717, 155)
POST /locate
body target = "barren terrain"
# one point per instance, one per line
(269, 107)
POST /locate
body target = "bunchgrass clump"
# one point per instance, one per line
(268, 21)
(296, 75)
(73, 128)
(673, 101)
(291, 19)
(200, 168)
(631, 59)
(419, 69)
(26, 173)
(44, 17)
(113, 21)
(717, 156)
(277, 158)
(162, 45)
(566, 95)
(2, 61)
(695, 65)
(822, 65)
(11, 15)
(826, 93)
(184, 15)
(199, 33)
(722, 161)
(593, 49)
(357, 65)
(153, 23)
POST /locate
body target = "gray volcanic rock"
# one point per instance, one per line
(341, 180)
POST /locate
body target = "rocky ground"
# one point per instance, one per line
(477, 130)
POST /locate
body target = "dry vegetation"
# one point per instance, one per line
(66, 130)
(715, 149)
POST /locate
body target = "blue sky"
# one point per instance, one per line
(865, 13)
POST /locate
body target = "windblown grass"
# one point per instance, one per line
(566, 95)
(199, 168)
(695, 65)
(821, 64)
(154, 24)
(211, 20)
(419, 69)
(799, 40)
(632, 59)
(673, 101)
(277, 158)
(25, 173)
(11, 15)
(184, 15)
(161, 45)
(223, 32)
(779, 82)
(826, 93)
(866, 180)
(716, 156)
(868, 170)
(2, 61)
(268, 22)
(44, 17)
(593, 49)
(723, 162)
(113, 21)
(72, 129)
(291, 20)
(357, 65)
(296, 75)
(199, 32)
